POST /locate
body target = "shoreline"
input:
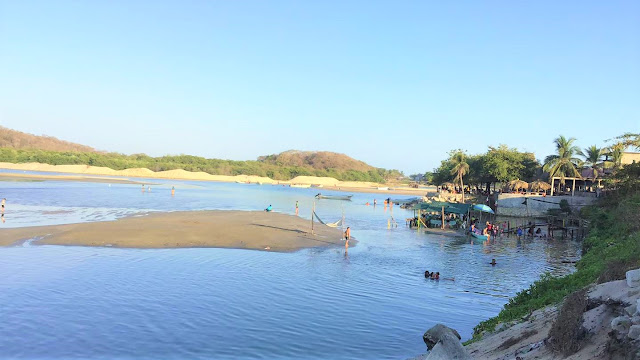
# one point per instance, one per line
(123, 176)
(256, 230)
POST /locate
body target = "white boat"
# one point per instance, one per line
(383, 188)
(301, 186)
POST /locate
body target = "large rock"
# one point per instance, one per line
(633, 278)
(634, 332)
(631, 310)
(621, 324)
(444, 343)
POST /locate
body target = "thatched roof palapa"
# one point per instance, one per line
(515, 185)
(539, 185)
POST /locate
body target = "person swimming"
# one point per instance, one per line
(493, 262)
(435, 276)
(427, 274)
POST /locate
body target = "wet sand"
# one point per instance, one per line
(256, 230)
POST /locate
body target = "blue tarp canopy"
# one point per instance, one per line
(449, 208)
(483, 208)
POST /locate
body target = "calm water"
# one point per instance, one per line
(372, 303)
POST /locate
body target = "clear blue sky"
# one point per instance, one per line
(396, 84)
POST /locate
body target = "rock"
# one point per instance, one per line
(444, 343)
(635, 320)
(634, 332)
(633, 278)
(621, 324)
(631, 310)
(437, 333)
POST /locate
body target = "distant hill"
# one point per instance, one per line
(18, 147)
(18, 140)
(317, 160)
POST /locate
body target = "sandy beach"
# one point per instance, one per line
(256, 230)
(39, 177)
(327, 183)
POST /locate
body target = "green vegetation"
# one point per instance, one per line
(501, 164)
(611, 248)
(266, 167)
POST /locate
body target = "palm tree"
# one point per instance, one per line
(592, 156)
(460, 168)
(615, 152)
(564, 163)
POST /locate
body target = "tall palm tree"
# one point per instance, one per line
(592, 156)
(460, 168)
(563, 163)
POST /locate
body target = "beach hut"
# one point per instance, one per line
(539, 185)
(517, 185)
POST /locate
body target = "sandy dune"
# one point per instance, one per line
(328, 183)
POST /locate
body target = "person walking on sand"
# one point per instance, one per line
(296, 207)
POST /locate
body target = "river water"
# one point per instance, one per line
(370, 303)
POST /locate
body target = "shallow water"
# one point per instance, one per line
(370, 303)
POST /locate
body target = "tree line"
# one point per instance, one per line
(503, 164)
(189, 163)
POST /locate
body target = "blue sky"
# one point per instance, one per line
(396, 84)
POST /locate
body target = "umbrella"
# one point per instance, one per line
(539, 185)
(515, 185)
(483, 208)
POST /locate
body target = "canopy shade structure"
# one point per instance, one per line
(483, 208)
(449, 208)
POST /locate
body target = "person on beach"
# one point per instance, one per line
(269, 208)
(296, 207)
(519, 232)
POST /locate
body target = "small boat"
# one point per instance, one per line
(334, 197)
(479, 236)
(301, 186)
(383, 188)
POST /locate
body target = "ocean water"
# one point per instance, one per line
(372, 302)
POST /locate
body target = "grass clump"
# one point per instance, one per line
(567, 333)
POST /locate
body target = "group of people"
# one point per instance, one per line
(488, 231)
(432, 275)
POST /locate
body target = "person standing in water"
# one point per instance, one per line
(4, 200)
(173, 191)
(347, 236)
(142, 187)
(296, 207)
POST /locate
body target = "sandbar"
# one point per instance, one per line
(256, 230)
